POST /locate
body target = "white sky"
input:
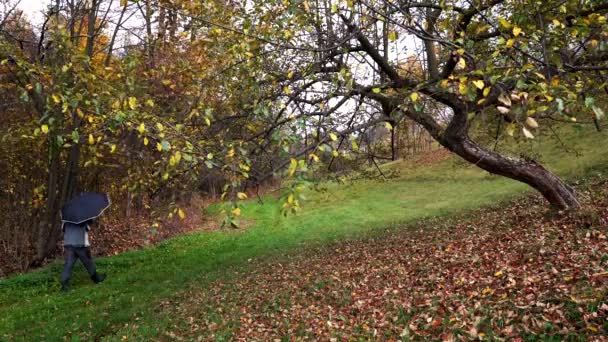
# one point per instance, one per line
(33, 9)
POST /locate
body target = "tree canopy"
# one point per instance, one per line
(149, 99)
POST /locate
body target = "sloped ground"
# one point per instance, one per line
(516, 272)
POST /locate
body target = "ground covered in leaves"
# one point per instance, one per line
(516, 272)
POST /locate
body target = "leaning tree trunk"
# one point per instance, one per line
(456, 139)
(559, 194)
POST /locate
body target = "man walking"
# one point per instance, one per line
(76, 246)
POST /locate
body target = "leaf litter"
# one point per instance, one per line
(513, 272)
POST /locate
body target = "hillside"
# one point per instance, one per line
(145, 287)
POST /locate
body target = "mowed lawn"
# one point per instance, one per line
(140, 282)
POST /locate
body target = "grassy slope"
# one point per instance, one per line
(31, 307)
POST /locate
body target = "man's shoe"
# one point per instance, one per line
(98, 278)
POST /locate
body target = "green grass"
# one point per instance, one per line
(32, 309)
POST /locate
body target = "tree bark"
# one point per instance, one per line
(547, 183)
(456, 139)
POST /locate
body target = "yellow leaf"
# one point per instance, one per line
(207, 122)
(479, 84)
(516, 31)
(159, 126)
(236, 211)
(290, 75)
(462, 89)
(388, 126)
(335, 153)
(306, 6)
(511, 129)
(510, 43)
(531, 122)
(159, 147)
(333, 137)
(123, 3)
(286, 90)
(504, 23)
(56, 98)
(376, 90)
(461, 63)
(293, 165)
(486, 91)
(142, 128)
(498, 274)
(242, 195)
(112, 148)
(414, 96)
(79, 112)
(231, 152)
(504, 99)
(181, 214)
(91, 139)
(527, 133)
(132, 103)
(314, 157)
(146, 141)
(44, 129)
(392, 35)
(487, 291)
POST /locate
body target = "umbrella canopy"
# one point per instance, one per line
(84, 207)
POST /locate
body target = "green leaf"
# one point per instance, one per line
(589, 102)
(376, 90)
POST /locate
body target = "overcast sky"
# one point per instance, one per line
(33, 9)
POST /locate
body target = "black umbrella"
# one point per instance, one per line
(84, 207)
